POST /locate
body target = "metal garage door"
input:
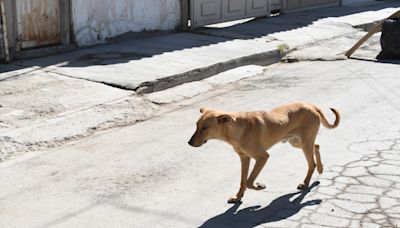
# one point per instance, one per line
(38, 22)
(204, 12)
(293, 5)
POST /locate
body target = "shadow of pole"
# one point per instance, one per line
(377, 60)
(280, 208)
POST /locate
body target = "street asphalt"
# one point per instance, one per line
(145, 175)
(78, 153)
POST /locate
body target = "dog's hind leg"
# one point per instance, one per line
(308, 150)
(320, 167)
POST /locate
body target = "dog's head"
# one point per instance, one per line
(209, 126)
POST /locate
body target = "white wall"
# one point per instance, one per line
(96, 20)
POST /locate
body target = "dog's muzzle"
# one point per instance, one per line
(191, 142)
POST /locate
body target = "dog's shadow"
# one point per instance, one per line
(280, 208)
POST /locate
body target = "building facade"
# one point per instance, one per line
(50, 26)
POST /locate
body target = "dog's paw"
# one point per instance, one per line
(320, 169)
(235, 199)
(256, 186)
(302, 186)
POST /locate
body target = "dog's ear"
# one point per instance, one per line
(202, 110)
(224, 119)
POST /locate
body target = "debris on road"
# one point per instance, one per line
(390, 39)
(372, 31)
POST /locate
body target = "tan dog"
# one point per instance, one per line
(252, 133)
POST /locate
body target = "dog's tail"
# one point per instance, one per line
(325, 122)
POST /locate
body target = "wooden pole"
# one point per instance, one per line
(372, 31)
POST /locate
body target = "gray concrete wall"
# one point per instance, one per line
(96, 20)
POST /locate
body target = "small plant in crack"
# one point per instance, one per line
(283, 48)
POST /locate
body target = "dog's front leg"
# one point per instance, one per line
(245, 162)
(261, 159)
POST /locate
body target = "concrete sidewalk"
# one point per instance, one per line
(151, 64)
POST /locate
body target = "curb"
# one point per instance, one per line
(263, 59)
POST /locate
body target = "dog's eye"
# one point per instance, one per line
(204, 128)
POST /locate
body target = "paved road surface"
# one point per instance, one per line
(146, 175)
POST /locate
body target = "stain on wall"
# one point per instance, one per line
(96, 20)
(38, 22)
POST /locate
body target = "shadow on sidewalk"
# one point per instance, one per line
(136, 48)
(280, 208)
